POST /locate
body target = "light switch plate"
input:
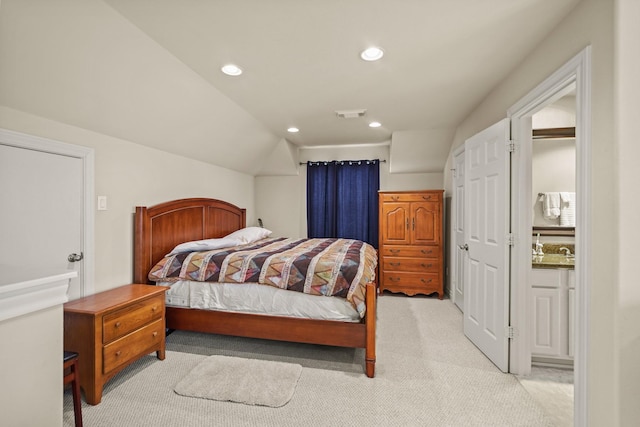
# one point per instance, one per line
(102, 203)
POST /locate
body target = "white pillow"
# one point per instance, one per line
(249, 234)
(206, 245)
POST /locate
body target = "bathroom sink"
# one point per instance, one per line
(553, 261)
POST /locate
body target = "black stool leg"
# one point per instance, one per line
(77, 401)
(71, 363)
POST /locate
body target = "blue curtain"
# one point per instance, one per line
(342, 199)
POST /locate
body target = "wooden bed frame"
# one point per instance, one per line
(158, 229)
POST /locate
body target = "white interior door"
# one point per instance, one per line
(486, 302)
(42, 220)
(460, 258)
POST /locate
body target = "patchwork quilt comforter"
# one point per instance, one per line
(328, 267)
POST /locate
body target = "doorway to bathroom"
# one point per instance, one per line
(552, 276)
(558, 340)
(553, 190)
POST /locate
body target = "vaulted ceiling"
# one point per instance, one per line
(148, 71)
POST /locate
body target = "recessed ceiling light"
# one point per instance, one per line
(372, 54)
(293, 130)
(375, 124)
(231, 70)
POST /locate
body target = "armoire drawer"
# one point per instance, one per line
(409, 197)
(412, 283)
(419, 265)
(411, 251)
(394, 278)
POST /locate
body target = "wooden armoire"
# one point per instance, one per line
(411, 242)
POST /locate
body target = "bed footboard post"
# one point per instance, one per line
(370, 322)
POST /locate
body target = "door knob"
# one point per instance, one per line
(75, 257)
(464, 247)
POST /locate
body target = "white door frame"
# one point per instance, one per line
(578, 71)
(454, 250)
(86, 155)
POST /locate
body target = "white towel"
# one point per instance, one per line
(567, 209)
(551, 205)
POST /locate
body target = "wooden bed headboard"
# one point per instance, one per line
(159, 228)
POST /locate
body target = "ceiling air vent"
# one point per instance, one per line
(350, 114)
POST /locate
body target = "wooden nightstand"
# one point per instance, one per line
(111, 329)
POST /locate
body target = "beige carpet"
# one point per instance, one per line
(428, 374)
(235, 379)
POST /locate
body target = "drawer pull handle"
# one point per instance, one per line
(118, 353)
(395, 251)
(395, 264)
(427, 252)
(117, 325)
(154, 308)
(155, 334)
(394, 198)
(426, 197)
(394, 279)
(428, 281)
(426, 265)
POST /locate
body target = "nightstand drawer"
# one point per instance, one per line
(121, 322)
(120, 352)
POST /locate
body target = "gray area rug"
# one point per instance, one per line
(235, 379)
(427, 374)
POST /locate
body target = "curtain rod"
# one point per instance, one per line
(329, 161)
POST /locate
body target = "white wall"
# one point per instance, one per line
(590, 23)
(625, 287)
(278, 204)
(419, 151)
(82, 63)
(31, 369)
(560, 114)
(133, 175)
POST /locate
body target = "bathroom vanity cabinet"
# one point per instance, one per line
(553, 310)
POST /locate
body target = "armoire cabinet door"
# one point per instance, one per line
(425, 223)
(395, 223)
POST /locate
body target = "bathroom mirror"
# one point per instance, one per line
(553, 181)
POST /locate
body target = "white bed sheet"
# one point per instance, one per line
(258, 299)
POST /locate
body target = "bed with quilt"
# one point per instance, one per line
(230, 279)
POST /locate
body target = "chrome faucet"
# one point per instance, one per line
(539, 246)
(567, 252)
